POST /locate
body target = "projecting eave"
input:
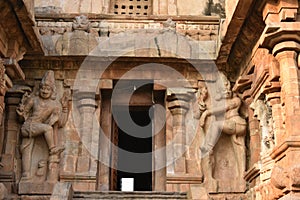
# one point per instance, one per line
(239, 36)
(23, 12)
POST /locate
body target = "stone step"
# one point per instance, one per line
(138, 195)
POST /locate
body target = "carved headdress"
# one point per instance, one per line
(49, 80)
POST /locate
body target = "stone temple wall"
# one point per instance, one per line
(195, 39)
(165, 7)
(224, 140)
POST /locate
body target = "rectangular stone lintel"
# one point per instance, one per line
(106, 84)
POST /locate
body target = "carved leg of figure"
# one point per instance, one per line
(49, 137)
(211, 138)
(26, 150)
(53, 168)
(238, 143)
(54, 160)
(207, 164)
(36, 129)
(239, 151)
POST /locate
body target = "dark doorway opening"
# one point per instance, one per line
(134, 154)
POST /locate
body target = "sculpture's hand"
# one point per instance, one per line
(203, 118)
(24, 107)
(65, 100)
(20, 110)
(65, 108)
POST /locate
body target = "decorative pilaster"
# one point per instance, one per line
(89, 136)
(86, 106)
(187, 170)
(289, 79)
(10, 163)
(281, 36)
(178, 104)
(260, 90)
(10, 159)
(3, 89)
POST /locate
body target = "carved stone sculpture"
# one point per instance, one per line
(81, 23)
(78, 42)
(43, 114)
(199, 108)
(169, 25)
(200, 105)
(224, 118)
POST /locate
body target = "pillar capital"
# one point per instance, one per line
(281, 22)
(286, 49)
(179, 99)
(85, 99)
(178, 104)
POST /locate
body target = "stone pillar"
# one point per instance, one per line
(107, 176)
(178, 104)
(281, 36)
(3, 89)
(2, 94)
(260, 89)
(11, 161)
(254, 138)
(89, 136)
(159, 143)
(289, 78)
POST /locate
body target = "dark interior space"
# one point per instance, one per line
(140, 162)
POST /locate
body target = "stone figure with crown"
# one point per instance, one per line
(223, 132)
(42, 114)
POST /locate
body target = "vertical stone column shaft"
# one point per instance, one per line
(255, 138)
(10, 157)
(105, 145)
(178, 105)
(87, 161)
(159, 146)
(289, 77)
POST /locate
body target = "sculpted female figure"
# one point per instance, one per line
(225, 118)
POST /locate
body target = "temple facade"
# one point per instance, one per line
(148, 99)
